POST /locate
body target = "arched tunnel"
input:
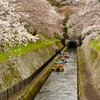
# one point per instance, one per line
(72, 42)
(72, 45)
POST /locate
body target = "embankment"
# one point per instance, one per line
(19, 68)
(88, 73)
(93, 61)
(30, 91)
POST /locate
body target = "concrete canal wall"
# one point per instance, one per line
(93, 62)
(31, 90)
(88, 73)
(19, 68)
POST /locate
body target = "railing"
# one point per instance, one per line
(17, 87)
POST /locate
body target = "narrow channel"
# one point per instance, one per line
(62, 85)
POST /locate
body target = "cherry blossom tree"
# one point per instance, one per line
(40, 15)
(85, 23)
(18, 17)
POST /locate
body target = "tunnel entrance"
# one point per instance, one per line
(72, 45)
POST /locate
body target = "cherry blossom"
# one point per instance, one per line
(85, 23)
(15, 15)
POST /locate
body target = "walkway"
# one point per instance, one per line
(88, 89)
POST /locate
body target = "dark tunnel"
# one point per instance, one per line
(72, 45)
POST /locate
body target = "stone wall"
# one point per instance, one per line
(19, 68)
(88, 73)
(93, 61)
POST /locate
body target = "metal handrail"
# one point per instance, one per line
(17, 87)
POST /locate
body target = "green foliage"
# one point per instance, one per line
(95, 44)
(8, 80)
(56, 35)
(54, 3)
(14, 72)
(24, 49)
(65, 30)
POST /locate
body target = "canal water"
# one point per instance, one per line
(62, 85)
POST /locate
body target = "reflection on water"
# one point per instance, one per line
(62, 85)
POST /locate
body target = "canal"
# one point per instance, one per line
(62, 85)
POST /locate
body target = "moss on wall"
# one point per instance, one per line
(93, 60)
(30, 91)
(38, 83)
(8, 80)
(81, 77)
(20, 67)
(94, 55)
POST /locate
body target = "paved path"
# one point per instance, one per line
(90, 92)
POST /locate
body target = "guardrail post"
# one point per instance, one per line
(17, 88)
(11, 91)
(3, 95)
